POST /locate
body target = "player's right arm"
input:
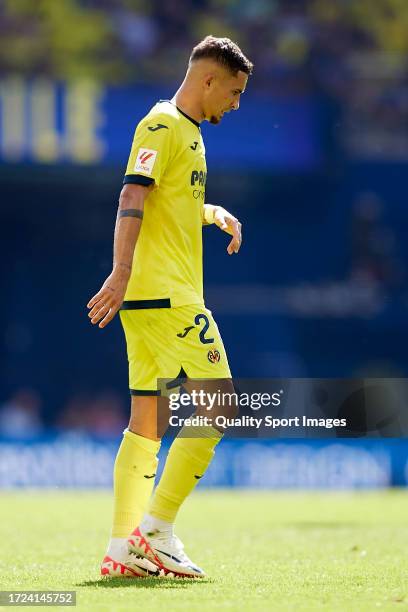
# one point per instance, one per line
(106, 303)
(152, 148)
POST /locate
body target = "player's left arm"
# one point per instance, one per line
(225, 221)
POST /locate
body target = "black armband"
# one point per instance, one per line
(138, 179)
(131, 212)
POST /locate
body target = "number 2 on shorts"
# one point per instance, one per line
(203, 331)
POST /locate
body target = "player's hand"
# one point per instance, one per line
(230, 224)
(106, 303)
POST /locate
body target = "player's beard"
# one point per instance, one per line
(214, 119)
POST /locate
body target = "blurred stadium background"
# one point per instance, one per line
(314, 164)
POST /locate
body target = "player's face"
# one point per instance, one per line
(223, 95)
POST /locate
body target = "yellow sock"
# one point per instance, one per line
(186, 463)
(133, 479)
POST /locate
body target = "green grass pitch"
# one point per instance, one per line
(262, 550)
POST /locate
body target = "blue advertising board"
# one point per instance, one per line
(84, 122)
(79, 461)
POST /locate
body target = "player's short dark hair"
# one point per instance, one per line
(224, 52)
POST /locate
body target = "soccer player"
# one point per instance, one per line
(156, 282)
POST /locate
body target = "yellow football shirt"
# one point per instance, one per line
(169, 150)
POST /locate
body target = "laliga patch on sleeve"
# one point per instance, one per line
(145, 161)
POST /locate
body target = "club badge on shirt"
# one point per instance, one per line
(145, 161)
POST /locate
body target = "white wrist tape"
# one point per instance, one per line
(209, 213)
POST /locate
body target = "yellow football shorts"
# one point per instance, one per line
(172, 343)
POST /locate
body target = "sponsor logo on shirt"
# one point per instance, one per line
(198, 176)
(198, 179)
(145, 161)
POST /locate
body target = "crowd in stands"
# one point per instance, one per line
(292, 42)
(23, 415)
(352, 52)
